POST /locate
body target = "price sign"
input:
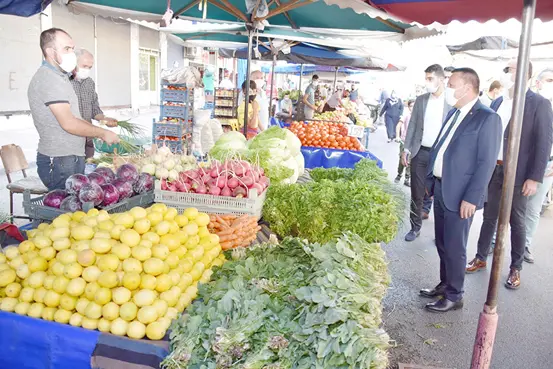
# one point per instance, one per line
(356, 131)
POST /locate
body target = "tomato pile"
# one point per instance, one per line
(325, 135)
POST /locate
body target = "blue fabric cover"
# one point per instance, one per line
(329, 158)
(23, 8)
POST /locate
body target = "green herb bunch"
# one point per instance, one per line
(294, 305)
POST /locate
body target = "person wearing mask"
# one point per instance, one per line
(534, 154)
(85, 89)
(428, 114)
(493, 93)
(544, 84)
(55, 111)
(401, 133)
(226, 82)
(335, 100)
(354, 95)
(286, 107)
(460, 166)
(309, 107)
(393, 108)
(253, 110)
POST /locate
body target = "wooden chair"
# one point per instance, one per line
(14, 161)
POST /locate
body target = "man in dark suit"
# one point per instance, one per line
(427, 117)
(534, 153)
(461, 164)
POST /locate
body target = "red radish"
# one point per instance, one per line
(192, 174)
(214, 173)
(164, 184)
(248, 181)
(261, 171)
(212, 182)
(187, 187)
(238, 170)
(233, 183)
(179, 185)
(201, 190)
(226, 191)
(215, 191)
(206, 178)
(172, 187)
(222, 182)
(258, 187)
(239, 192)
(264, 181)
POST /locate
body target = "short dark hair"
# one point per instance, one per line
(253, 86)
(469, 76)
(48, 38)
(436, 69)
(315, 77)
(449, 69)
(495, 85)
(410, 102)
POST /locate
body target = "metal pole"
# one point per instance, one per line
(335, 79)
(487, 324)
(247, 93)
(301, 75)
(272, 85)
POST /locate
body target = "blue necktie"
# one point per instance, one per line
(437, 147)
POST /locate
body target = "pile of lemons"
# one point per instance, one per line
(128, 273)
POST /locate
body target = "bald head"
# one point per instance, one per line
(256, 75)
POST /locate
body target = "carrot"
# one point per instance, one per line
(229, 237)
(225, 232)
(221, 221)
(226, 245)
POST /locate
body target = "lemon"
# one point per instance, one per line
(217, 262)
(108, 262)
(35, 280)
(136, 330)
(73, 270)
(192, 242)
(91, 222)
(104, 325)
(119, 327)
(144, 298)
(81, 305)
(128, 311)
(181, 236)
(121, 295)
(26, 294)
(197, 253)
(35, 310)
(180, 252)
(151, 237)
(102, 234)
(2, 258)
(90, 290)
(197, 270)
(100, 245)
(187, 264)
(76, 287)
(52, 299)
(181, 220)
(186, 281)
(161, 307)
(8, 304)
(163, 228)
(203, 232)
(102, 296)
(57, 268)
(106, 225)
(191, 213)
(121, 251)
(79, 246)
(115, 232)
(155, 331)
(60, 233)
(148, 282)
(26, 246)
(60, 284)
(130, 237)
(68, 302)
(141, 253)
(170, 298)
(39, 241)
(160, 251)
(23, 271)
(163, 283)
(67, 256)
(131, 281)
(108, 279)
(206, 276)
(48, 253)
(155, 218)
(93, 212)
(82, 232)
(16, 262)
(125, 219)
(76, 320)
(62, 221)
(21, 308)
(191, 229)
(88, 323)
(170, 214)
(91, 273)
(13, 290)
(160, 208)
(86, 257)
(93, 310)
(153, 266)
(110, 311)
(147, 314)
(39, 294)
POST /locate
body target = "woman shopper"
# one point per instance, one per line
(253, 110)
(394, 110)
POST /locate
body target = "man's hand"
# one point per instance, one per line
(109, 137)
(110, 122)
(405, 159)
(529, 188)
(467, 210)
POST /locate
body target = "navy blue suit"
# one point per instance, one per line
(468, 164)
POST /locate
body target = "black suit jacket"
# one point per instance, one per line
(535, 140)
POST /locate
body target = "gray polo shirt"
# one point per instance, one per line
(50, 86)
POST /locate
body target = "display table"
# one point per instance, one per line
(28, 343)
(329, 158)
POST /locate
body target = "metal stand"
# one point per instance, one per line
(247, 92)
(487, 324)
(272, 85)
(335, 79)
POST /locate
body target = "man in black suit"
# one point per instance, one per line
(461, 163)
(535, 149)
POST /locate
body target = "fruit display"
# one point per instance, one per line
(129, 273)
(332, 116)
(234, 231)
(102, 187)
(325, 135)
(232, 178)
(163, 164)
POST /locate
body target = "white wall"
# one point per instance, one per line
(175, 53)
(20, 57)
(149, 38)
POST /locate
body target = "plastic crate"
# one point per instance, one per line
(253, 205)
(174, 95)
(174, 111)
(172, 129)
(36, 210)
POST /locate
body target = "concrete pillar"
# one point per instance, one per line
(95, 53)
(163, 51)
(134, 68)
(46, 19)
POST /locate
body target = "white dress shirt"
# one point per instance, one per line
(433, 119)
(439, 163)
(505, 110)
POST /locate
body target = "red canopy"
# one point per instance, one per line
(427, 12)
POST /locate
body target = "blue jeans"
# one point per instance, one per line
(53, 172)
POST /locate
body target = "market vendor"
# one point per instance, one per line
(309, 106)
(253, 110)
(85, 88)
(55, 110)
(286, 107)
(354, 94)
(335, 100)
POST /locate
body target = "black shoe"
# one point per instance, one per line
(398, 178)
(444, 305)
(412, 235)
(407, 183)
(528, 257)
(435, 292)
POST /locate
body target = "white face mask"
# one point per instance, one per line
(450, 96)
(68, 61)
(507, 82)
(259, 83)
(83, 73)
(431, 87)
(547, 90)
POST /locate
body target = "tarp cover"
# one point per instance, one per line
(307, 69)
(330, 158)
(485, 43)
(23, 8)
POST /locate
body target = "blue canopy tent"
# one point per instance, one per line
(308, 69)
(23, 8)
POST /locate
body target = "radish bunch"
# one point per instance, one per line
(233, 178)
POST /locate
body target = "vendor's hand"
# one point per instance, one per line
(109, 137)
(467, 210)
(529, 188)
(110, 122)
(405, 159)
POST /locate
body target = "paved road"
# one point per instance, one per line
(525, 334)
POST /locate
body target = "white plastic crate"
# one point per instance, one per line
(253, 205)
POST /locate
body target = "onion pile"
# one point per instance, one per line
(166, 165)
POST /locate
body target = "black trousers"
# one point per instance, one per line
(452, 234)
(517, 221)
(419, 170)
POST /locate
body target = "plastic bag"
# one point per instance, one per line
(207, 140)
(216, 129)
(262, 9)
(188, 75)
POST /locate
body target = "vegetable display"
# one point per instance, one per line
(276, 150)
(361, 200)
(234, 231)
(325, 135)
(129, 273)
(332, 116)
(54, 198)
(166, 165)
(293, 305)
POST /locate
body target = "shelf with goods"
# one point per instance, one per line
(225, 106)
(175, 124)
